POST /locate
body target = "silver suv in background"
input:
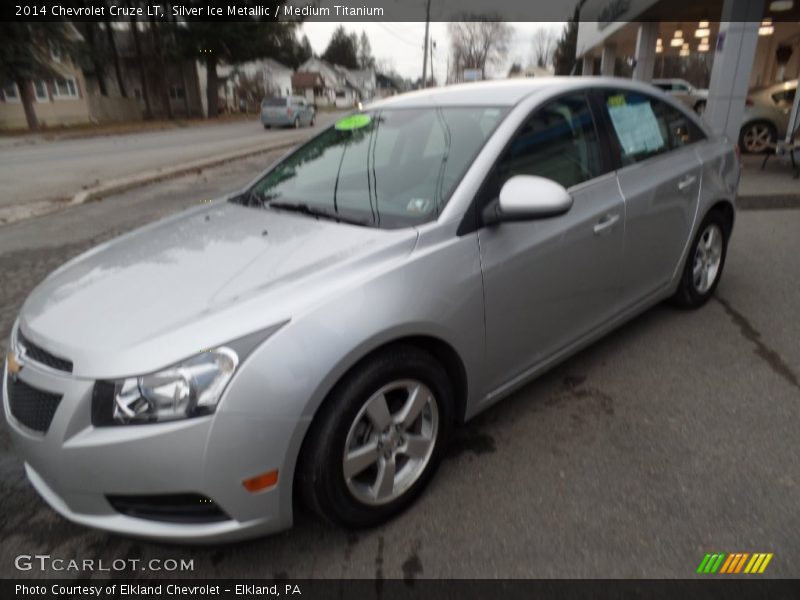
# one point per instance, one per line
(684, 92)
(766, 116)
(291, 111)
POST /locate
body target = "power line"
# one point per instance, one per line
(405, 41)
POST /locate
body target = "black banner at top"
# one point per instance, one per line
(601, 11)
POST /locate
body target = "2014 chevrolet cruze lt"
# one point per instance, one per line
(323, 331)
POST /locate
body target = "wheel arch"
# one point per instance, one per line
(435, 345)
(726, 208)
(443, 351)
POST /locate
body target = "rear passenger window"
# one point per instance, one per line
(645, 127)
(559, 142)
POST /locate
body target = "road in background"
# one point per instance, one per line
(56, 170)
(672, 437)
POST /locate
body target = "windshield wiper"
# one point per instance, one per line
(305, 209)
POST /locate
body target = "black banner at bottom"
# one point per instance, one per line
(399, 589)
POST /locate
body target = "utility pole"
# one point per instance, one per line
(432, 46)
(425, 47)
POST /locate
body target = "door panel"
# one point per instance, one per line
(660, 181)
(661, 199)
(549, 282)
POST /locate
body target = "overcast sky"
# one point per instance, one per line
(401, 43)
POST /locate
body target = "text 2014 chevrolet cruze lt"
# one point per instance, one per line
(324, 330)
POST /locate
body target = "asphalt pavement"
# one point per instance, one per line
(36, 171)
(674, 436)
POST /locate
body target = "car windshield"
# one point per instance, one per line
(273, 102)
(389, 168)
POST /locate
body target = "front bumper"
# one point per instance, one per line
(75, 466)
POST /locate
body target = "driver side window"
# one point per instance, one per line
(558, 142)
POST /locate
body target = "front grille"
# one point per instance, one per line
(42, 356)
(170, 508)
(31, 407)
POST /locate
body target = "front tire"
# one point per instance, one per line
(378, 439)
(704, 263)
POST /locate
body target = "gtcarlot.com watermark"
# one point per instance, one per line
(45, 562)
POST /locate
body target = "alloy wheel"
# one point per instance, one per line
(390, 442)
(707, 259)
(757, 138)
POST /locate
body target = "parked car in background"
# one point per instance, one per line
(287, 111)
(766, 116)
(685, 92)
(319, 334)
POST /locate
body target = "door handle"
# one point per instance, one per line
(605, 224)
(686, 182)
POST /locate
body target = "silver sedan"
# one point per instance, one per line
(319, 334)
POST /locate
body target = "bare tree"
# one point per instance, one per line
(478, 43)
(543, 46)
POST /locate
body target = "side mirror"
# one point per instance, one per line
(527, 197)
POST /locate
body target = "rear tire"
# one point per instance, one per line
(700, 107)
(390, 416)
(704, 263)
(267, 126)
(757, 137)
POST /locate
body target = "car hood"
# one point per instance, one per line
(199, 278)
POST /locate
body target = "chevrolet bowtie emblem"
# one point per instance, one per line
(13, 365)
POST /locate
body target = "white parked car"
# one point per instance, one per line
(684, 92)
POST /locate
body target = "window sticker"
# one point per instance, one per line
(618, 100)
(353, 122)
(636, 127)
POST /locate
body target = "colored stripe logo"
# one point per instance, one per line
(736, 562)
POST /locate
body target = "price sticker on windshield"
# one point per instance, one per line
(353, 122)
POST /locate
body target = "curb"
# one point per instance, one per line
(16, 213)
(126, 183)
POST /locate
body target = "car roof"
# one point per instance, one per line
(505, 92)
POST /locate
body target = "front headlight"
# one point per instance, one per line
(188, 389)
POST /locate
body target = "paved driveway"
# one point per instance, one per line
(675, 436)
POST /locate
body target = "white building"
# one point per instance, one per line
(266, 75)
(340, 86)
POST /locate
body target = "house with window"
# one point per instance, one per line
(312, 86)
(58, 100)
(176, 83)
(243, 86)
(340, 87)
(363, 80)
